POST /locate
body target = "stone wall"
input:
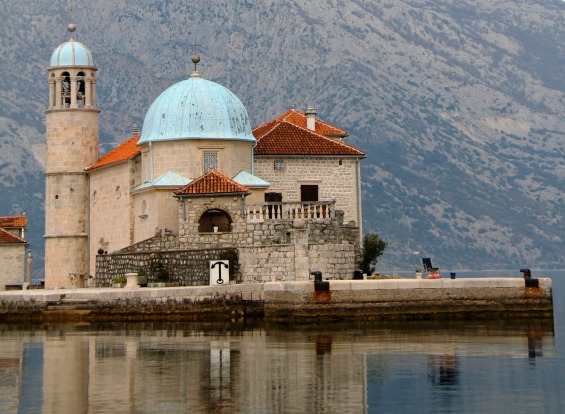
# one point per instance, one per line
(478, 298)
(274, 250)
(12, 264)
(336, 179)
(185, 267)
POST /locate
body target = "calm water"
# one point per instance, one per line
(476, 367)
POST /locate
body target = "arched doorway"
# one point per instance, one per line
(215, 218)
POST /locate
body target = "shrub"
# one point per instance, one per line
(159, 272)
(373, 247)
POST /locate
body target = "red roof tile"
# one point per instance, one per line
(13, 221)
(122, 153)
(299, 119)
(213, 182)
(285, 138)
(6, 237)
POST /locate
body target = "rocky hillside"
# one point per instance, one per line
(460, 106)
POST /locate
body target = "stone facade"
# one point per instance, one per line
(154, 208)
(111, 213)
(336, 178)
(66, 192)
(12, 264)
(72, 130)
(185, 157)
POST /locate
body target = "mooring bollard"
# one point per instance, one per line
(317, 275)
(529, 281)
(319, 284)
(527, 273)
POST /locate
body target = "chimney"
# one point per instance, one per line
(135, 130)
(310, 118)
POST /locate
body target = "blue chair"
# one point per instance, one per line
(428, 266)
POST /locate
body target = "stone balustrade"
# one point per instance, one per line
(289, 210)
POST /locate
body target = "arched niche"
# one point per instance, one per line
(214, 218)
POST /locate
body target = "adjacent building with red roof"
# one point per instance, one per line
(306, 159)
(13, 251)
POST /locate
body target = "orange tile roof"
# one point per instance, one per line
(213, 182)
(121, 153)
(286, 138)
(299, 119)
(13, 221)
(6, 237)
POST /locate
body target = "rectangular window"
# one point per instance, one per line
(278, 165)
(210, 161)
(273, 197)
(308, 193)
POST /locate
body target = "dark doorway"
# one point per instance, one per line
(215, 220)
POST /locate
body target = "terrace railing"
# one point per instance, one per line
(289, 210)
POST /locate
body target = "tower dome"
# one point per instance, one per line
(71, 53)
(196, 108)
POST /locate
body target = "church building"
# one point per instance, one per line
(196, 175)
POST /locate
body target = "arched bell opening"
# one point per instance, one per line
(65, 90)
(81, 90)
(215, 220)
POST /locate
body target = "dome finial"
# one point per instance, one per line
(195, 59)
(71, 27)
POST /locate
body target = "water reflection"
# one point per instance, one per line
(150, 368)
(442, 370)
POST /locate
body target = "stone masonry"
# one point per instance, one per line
(268, 251)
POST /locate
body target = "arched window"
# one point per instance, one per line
(215, 220)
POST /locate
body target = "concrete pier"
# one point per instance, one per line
(288, 301)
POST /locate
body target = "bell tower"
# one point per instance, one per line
(72, 123)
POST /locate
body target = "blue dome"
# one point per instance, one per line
(196, 108)
(71, 53)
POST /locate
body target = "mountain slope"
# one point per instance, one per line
(459, 105)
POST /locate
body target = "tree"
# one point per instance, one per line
(373, 248)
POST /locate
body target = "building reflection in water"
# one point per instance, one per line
(201, 368)
(442, 369)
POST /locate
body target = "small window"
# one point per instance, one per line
(278, 165)
(210, 161)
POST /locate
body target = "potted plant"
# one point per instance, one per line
(119, 282)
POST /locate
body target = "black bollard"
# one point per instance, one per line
(527, 273)
(530, 282)
(319, 284)
(317, 275)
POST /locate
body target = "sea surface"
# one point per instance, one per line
(500, 366)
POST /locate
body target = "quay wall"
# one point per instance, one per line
(288, 301)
